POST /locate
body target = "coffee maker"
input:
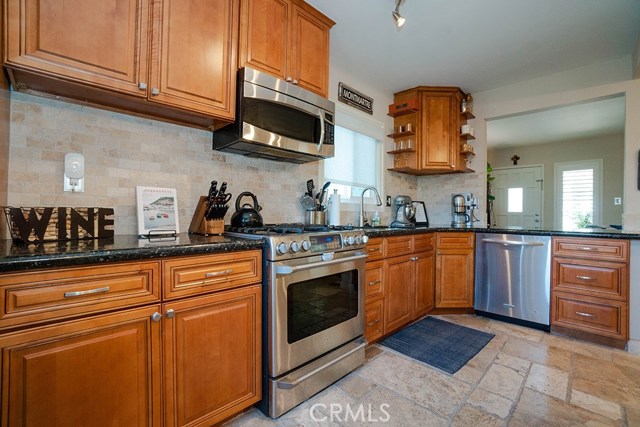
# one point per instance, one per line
(405, 212)
(462, 207)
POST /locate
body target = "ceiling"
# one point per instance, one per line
(484, 44)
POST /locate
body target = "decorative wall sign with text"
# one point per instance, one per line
(356, 99)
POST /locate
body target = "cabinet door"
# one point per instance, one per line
(212, 356)
(264, 33)
(438, 143)
(398, 306)
(100, 370)
(309, 51)
(194, 55)
(454, 278)
(373, 314)
(98, 42)
(424, 296)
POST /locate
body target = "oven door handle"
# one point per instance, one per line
(287, 269)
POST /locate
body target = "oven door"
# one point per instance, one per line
(315, 305)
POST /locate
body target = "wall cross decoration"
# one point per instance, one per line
(515, 159)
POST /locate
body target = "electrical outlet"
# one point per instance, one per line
(617, 200)
(388, 201)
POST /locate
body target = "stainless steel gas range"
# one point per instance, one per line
(314, 309)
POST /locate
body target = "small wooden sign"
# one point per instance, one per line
(39, 224)
(356, 99)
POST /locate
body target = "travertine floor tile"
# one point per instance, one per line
(551, 381)
(469, 374)
(498, 327)
(490, 402)
(503, 381)
(355, 386)
(251, 418)
(626, 359)
(607, 380)
(578, 347)
(470, 416)
(539, 410)
(483, 359)
(513, 362)
(469, 320)
(633, 416)
(437, 391)
(595, 404)
(541, 353)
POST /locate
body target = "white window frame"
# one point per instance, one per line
(559, 168)
(347, 118)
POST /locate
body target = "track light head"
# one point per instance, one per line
(399, 19)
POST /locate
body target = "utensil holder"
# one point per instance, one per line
(201, 225)
(316, 217)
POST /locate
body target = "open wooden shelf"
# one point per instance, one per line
(404, 150)
(467, 136)
(401, 134)
(468, 115)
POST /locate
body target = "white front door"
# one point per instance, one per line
(518, 192)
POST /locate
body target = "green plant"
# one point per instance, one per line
(582, 220)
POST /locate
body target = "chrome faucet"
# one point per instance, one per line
(378, 202)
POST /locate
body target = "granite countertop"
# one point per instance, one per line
(15, 257)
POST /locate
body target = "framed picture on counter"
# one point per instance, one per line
(157, 211)
(422, 219)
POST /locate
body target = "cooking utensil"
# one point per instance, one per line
(247, 215)
(310, 188)
(323, 193)
(308, 203)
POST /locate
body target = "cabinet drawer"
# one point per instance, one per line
(196, 275)
(600, 249)
(454, 240)
(375, 249)
(373, 280)
(595, 315)
(399, 245)
(38, 296)
(373, 320)
(595, 278)
(422, 242)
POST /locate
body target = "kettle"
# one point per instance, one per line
(247, 215)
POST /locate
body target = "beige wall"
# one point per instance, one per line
(4, 143)
(608, 148)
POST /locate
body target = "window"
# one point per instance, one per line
(357, 160)
(578, 194)
(515, 200)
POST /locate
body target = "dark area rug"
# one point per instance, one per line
(441, 344)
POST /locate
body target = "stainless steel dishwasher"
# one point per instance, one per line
(513, 278)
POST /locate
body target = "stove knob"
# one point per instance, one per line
(365, 239)
(295, 247)
(306, 245)
(350, 240)
(358, 240)
(282, 248)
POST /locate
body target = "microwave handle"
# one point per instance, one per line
(321, 117)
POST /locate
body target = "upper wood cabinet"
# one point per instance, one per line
(170, 59)
(427, 124)
(288, 39)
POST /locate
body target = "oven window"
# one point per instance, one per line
(282, 120)
(318, 304)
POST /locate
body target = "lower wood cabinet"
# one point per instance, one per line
(424, 291)
(454, 276)
(374, 318)
(398, 304)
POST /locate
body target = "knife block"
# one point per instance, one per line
(201, 225)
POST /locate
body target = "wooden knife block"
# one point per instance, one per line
(200, 225)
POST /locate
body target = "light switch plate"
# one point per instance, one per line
(617, 200)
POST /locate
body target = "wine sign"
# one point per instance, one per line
(354, 98)
(50, 224)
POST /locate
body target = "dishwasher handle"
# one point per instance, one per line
(512, 242)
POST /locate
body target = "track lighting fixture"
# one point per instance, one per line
(399, 19)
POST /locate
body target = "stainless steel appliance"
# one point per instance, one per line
(314, 307)
(462, 207)
(405, 212)
(513, 278)
(278, 120)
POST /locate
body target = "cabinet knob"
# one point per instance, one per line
(155, 317)
(155, 91)
(142, 86)
(295, 82)
(289, 79)
(170, 314)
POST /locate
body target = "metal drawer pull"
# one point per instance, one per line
(585, 278)
(587, 248)
(580, 313)
(87, 292)
(219, 273)
(375, 282)
(373, 323)
(374, 249)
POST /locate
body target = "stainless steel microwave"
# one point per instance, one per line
(278, 120)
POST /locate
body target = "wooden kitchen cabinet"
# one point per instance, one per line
(152, 58)
(78, 372)
(212, 356)
(590, 289)
(454, 267)
(398, 304)
(288, 39)
(424, 280)
(436, 142)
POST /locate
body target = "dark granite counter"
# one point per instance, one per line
(15, 257)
